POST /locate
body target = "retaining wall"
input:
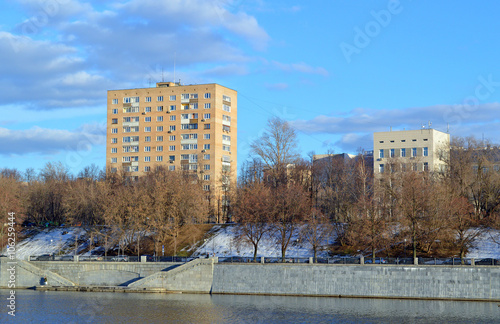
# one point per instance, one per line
(433, 282)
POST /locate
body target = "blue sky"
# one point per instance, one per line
(336, 70)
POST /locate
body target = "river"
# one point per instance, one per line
(88, 307)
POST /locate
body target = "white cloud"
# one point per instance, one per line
(277, 86)
(300, 67)
(49, 141)
(357, 126)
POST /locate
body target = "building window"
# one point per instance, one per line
(159, 108)
(392, 153)
(193, 96)
(113, 160)
(206, 187)
(403, 152)
(193, 106)
(206, 116)
(226, 128)
(185, 96)
(226, 118)
(147, 109)
(207, 95)
(172, 108)
(207, 106)
(159, 118)
(172, 118)
(226, 98)
(147, 148)
(189, 146)
(426, 151)
(171, 148)
(206, 146)
(206, 126)
(159, 158)
(115, 101)
(171, 158)
(159, 138)
(147, 168)
(114, 140)
(171, 168)
(114, 130)
(226, 138)
(171, 128)
(226, 108)
(115, 111)
(171, 138)
(160, 98)
(147, 119)
(381, 168)
(206, 156)
(159, 128)
(206, 167)
(206, 177)
(414, 166)
(426, 166)
(159, 149)
(147, 129)
(381, 154)
(206, 136)
(414, 152)
(147, 158)
(171, 98)
(147, 139)
(147, 99)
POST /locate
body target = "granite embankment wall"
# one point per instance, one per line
(208, 276)
(67, 273)
(433, 282)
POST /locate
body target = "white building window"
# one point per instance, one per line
(381, 168)
(159, 128)
(147, 99)
(171, 98)
(147, 159)
(414, 152)
(115, 111)
(207, 95)
(206, 157)
(426, 151)
(114, 140)
(113, 160)
(172, 118)
(159, 158)
(115, 101)
(147, 129)
(171, 148)
(403, 152)
(147, 119)
(114, 130)
(159, 149)
(206, 177)
(147, 109)
(171, 138)
(147, 148)
(159, 138)
(207, 106)
(147, 168)
(206, 136)
(159, 108)
(159, 118)
(159, 98)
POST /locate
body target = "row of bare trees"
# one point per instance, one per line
(337, 198)
(109, 206)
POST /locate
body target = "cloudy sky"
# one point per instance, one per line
(337, 70)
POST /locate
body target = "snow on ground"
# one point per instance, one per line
(220, 242)
(485, 246)
(49, 241)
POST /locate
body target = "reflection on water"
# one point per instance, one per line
(81, 307)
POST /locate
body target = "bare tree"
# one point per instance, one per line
(253, 208)
(277, 148)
